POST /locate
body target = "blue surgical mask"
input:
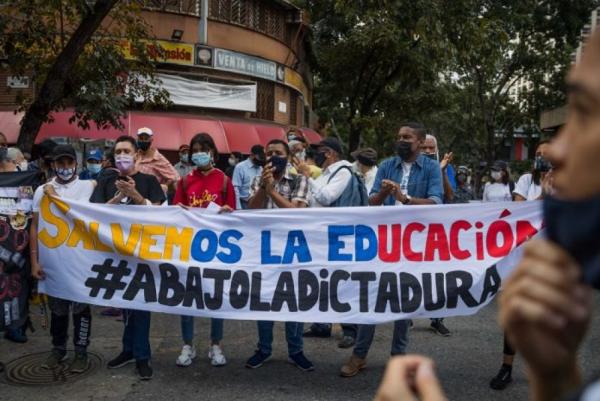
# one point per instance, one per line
(201, 159)
(94, 168)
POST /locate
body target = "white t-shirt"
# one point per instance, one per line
(406, 167)
(527, 188)
(497, 192)
(79, 190)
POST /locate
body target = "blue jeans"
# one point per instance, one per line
(293, 335)
(367, 331)
(136, 337)
(187, 329)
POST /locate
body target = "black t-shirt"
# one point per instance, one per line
(147, 185)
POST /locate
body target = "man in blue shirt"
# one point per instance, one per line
(409, 178)
(93, 165)
(244, 174)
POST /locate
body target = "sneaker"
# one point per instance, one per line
(301, 362)
(144, 370)
(257, 360)
(216, 356)
(80, 363)
(503, 378)
(123, 359)
(188, 353)
(437, 326)
(321, 333)
(353, 366)
(16, 335)
(346, 342)
(54, 360)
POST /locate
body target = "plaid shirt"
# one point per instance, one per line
(291, 187)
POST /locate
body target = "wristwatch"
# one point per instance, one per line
(407, 199)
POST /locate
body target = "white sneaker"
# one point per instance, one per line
(188, 353)
(215, 354)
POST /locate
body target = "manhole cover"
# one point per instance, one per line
(28, 371)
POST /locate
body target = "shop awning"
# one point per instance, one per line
(171, 130)
(311, 135)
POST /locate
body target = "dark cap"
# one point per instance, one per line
(365, 156)
(184, 147)
(499, 165)
(258, 151)
(64, 151)
(331, 143)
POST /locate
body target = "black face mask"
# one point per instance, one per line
(320, 158)
(143, 145)
(404, 149)
(575, 226)
(278, 163)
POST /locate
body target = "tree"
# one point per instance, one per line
(75, 51)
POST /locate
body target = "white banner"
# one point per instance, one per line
(189, 92)
(355, 265)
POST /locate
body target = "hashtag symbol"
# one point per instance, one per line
(108, 278)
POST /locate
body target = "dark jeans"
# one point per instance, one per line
(59, 324)
(293, 335)
(367, 331)
(136, 337)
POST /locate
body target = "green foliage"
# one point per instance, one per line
(103, 83)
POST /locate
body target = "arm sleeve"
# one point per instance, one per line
(37, 198)
(485, 193)
(378, 178)
(166, 170)
(435, 190)
(522, 186)
(155, 192)
(231, 200)
(330, 191)
(179, 196)
(237, 183)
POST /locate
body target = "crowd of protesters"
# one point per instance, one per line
(544, 307)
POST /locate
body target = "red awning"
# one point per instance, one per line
(170, 130)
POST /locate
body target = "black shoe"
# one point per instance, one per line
(301, 362)
(346, 342)
(257, 360)
(144, 370)
(123, 359)
(438, 327)
(318, 332)
(503, 378)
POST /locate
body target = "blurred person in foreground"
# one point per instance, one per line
(546, 306)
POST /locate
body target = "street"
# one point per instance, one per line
(466, 361)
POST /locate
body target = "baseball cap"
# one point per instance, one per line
(95, 154)
(331, 143)
(64, 151)
(366, 156)
(145, 130)
(499, 165)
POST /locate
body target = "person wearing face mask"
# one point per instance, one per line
(366, 165)
(150, 161)
(204, 185)
(277, 188)
(410, 178)
(43, 159)
(234, 159)
(501, 187)
(93, 165)
(66, 185)
(184, 166)
(464, 192)
(325, 191)
(16, 156)
(130, 187)
(244, 173)
(431, 150)
(301, 153)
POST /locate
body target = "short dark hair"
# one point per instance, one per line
(125, 138)
(310, 153)
(237, 155)
(279, 142)
(110, 156)
(419, 128)
(205, 141)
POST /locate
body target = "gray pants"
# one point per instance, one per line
(367, 331)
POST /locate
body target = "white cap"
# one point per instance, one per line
(145, 130)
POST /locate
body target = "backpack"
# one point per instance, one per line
(355, 193)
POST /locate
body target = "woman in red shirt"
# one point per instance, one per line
(203, 185)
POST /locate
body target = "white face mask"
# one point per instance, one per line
(23, 165)
(232, 161)
(496, 175)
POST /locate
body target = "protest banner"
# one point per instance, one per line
(359, 265)
(16, 200)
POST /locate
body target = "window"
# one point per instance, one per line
(265, 101)
(187, 7)
(253, 14)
